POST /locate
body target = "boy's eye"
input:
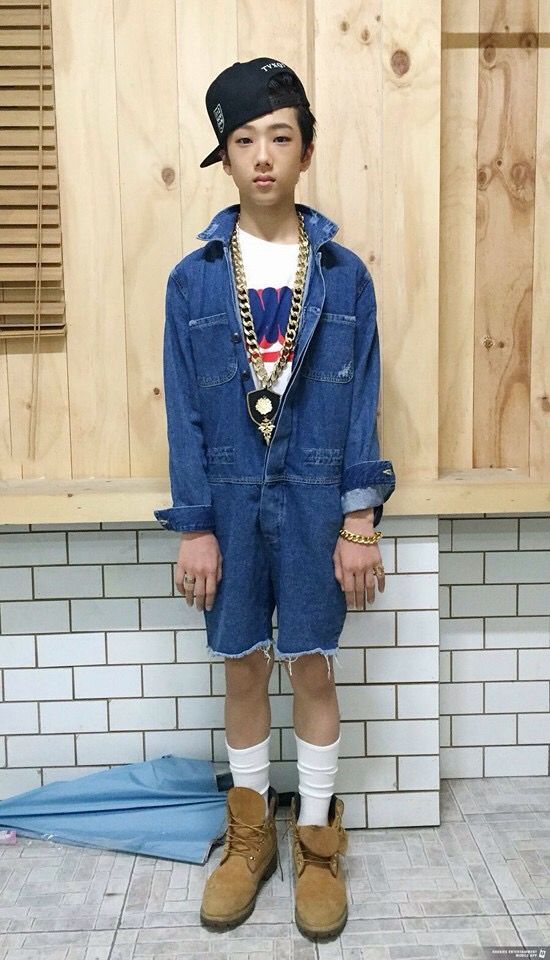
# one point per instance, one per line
(280, 137)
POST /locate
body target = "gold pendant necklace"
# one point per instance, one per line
(263, 404)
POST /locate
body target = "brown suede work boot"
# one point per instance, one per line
(321, 909)
(249, 858)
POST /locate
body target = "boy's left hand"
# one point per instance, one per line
(353, 566)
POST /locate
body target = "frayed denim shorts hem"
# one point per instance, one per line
(265, 647)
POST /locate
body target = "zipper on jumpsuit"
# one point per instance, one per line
(239, 320)
(292, 377)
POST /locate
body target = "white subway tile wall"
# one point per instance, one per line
(103, 663)
(494, 575)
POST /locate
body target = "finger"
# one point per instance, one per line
(349, 588)
(360, 590)
(381, 577)
(370, 585)
(210, 590)
(338, 568)
(200, 591)
(188, 590)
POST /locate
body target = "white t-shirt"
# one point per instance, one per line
(270, 270)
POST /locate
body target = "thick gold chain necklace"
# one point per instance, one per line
(263, 404)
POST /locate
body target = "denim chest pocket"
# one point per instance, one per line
(213, 351)
(330, 354)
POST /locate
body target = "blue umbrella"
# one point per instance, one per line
(170, 807)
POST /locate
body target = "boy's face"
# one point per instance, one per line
(261, 147)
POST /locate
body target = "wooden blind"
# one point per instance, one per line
(32, 297)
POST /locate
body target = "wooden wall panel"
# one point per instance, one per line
(150, 201)
(412, 123)
(409, 185)
(459, 113)
(504, 242)
(89, 175)
(539, 461)
(348, 163)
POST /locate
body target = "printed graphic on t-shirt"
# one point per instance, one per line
(270, 311)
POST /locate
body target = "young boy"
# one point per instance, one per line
(271, 370)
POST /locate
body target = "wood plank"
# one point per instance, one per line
(27, 137)
(459, 111)
(89, 178)
(134, 499)
(27, 235)
(25, 77)
(151, 198)
(27, 118)
(504, 240)
(33, 38)
(21, 178)
(13, 274)
(539, 440)
(409, 184)
(26, 98)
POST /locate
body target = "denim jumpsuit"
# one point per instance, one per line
(276, 509)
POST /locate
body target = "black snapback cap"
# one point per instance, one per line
(240, 93)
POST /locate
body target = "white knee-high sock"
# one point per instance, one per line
(317, 769)
(250, 766)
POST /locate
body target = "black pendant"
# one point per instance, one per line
(262, 407)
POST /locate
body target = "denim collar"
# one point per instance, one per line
(318, 227)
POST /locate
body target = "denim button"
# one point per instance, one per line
(245, 374)
(235, 337)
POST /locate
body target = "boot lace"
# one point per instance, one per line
(241, 844)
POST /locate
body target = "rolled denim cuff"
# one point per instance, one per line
(367, 484)
(199, 517)
(362, 497)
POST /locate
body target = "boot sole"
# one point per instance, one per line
(322, 936)
(229, 923)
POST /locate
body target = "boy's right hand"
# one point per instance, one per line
(200, 557)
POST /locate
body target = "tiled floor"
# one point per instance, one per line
(482, 878)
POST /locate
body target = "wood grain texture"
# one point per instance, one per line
(432, 155)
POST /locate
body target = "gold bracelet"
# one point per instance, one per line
(359, 538)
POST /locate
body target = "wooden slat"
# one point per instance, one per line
(27, 235)
(459, 111)
(26, 99)
(28, 158)
(27, 118)
(27, 137)
(22, 57)
(25, 255)
(28, 216)
(13, 38)
(409, 184)
(26, 77)
(28, 198)
(504, 241)
(7, 335)
(540, 341)
(89, 165)
(26, 17)
(21, 178)
(22, 309)
(13, 274)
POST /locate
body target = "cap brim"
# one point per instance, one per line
(212, 157)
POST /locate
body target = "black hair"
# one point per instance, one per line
(305, 119)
